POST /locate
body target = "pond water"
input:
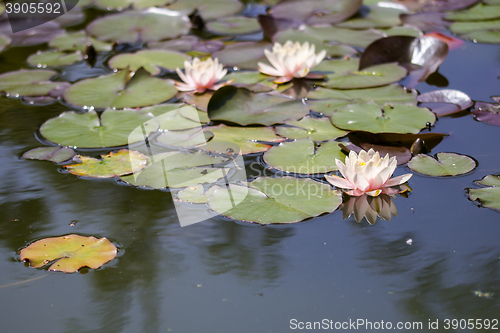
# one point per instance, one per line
(438, 259)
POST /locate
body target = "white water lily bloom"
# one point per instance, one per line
(291, 60)
(367, 173)
(201, 75)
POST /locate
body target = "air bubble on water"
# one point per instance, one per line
(16, 95)
(235, 68)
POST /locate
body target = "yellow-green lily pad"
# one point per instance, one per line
(78, 41)
(445, 164)
(489, 196)
(53, 59)
(196, 193)
(151, 60)
(317, 129)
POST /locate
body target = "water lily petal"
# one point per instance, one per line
(398, 180)
(338, 181)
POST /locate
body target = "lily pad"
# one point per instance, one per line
(275, 200)
(396, 139)
(189, 138)
(241, 106)
(124, 4)
(4, 42)
(487, 112)
(29, 82)
(119, 91)
(360, 38)
(446, 5)
(332, 50)
(316, 11)
(454, 100)
(78, 41)
(53, 154)
(189, 43)
(396, 118)
(236, 25)
(70, 253)
(489, 197)
(489, 180)
(374, 17)
(317, 129)
(468, 27)
(225, 137)
(178, 169)
(120, 163)
(244, 55)
(447, 164)
(492, 37)
(479, 12)
(196, 193)
(176, 116)
(87, 130)
(207, 9)
(302, 157)
(53, 59)
(347, 76)
(149, 25)
(151, 60)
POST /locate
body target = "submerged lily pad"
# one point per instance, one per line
(396, 118)
(87, 130)
(178, 169)
(347, 76)
(70, 253)
(78, 41)
(241, 106)
(236, 25)
(302, 157)
(54, 59)
(120, 163)
(151, 60)
(316, 11)
(124, 4)
(150, 25)
(317, 129)
(53, 154)
(275, 200)
(207, 9)
(490, 196)
(196, 194)
(447, 164)
(120, 91)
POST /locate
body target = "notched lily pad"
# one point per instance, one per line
(370, 117)
(151, 60)
(120, 163)
(70, 253)
(317, 129)
(275, 200)
(447, 164)
(304, 157)
(53, 154)
(489, 197)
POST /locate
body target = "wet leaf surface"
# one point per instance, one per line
(70, 253)
(304, 157)
(151, 60)
(87, 130)
(196, 194)
(317, 129)
(54, 59)
(445, 164)
(265, 200)
(241, 106)
(53, 154)
(397, 118)
(120, 91)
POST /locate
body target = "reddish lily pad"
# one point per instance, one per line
(487, 112)
(454, 100)
(70, 253)
(395, 139)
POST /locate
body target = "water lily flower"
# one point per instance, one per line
(291, 60)
(367, 173)
(201, 75)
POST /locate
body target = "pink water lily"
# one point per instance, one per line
(367, 173)
(291, 60)
(201, 75)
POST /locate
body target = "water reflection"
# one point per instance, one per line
(369, 207)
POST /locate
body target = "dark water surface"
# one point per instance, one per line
(220, 276)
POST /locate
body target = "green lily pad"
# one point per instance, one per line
(316, 11)
(78, 41)
(118, 91)
(53, 154)
(360, 38)
(150, 25)
(396, 118)
(151, 60)
(178, 169)
(317, 129)
(208, 9)
(376, 17)
(275, 200)
(332, 50)
(401, 31)
(244, 55)
(189, 138)
(124, 4)
(492, 37)
(236, 25)
(225, 137)
(302, 157)
(242, 77)
(4, 42)
(447, 164)
(241, 106)
(489, 197)
(173, 117)
(489, 180)
(70, 253)
(53, 59)
(196, 193)
(29, 82)
(479, 12)
(87, 130)
(467, 27)
(120, 163)
(346, 75)
(200, 101)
